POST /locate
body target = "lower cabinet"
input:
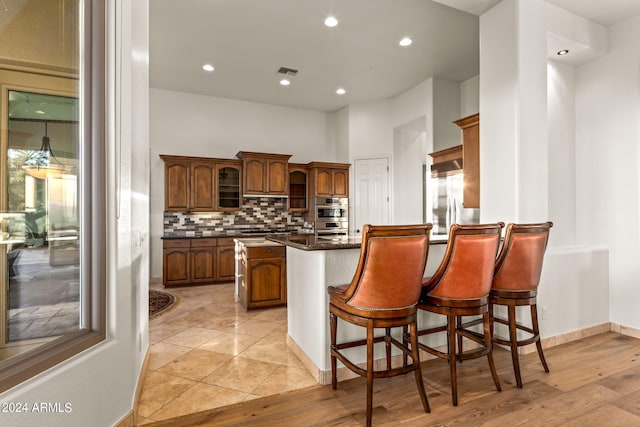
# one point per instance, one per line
(263, 277)
(197, 261)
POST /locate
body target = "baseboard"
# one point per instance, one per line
(127, 421)
(141, 378)
(625, 330)
(324, 377)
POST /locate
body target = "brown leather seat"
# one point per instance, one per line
(460, 287)
(515, 283)
(383, 294)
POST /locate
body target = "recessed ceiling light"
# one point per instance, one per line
(208, 67)
(405, 42)
(285, 82)
(341, 91)
(39, 112)
(331, 21)
(563, 52)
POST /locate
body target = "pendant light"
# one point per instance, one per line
(46, 163)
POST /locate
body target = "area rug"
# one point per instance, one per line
(160, 302)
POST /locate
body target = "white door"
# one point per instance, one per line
(371, 188)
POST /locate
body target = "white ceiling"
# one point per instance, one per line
(249, 40)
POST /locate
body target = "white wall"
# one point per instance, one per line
(100, 382)
(607, 142)
(528, 128)
(562, 149)
(446, 109)
(469, 96)
(370, 130)
(206, 126)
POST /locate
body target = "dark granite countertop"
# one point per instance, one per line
(313, 242)
(213, 234)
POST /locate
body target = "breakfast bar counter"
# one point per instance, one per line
(313, 264)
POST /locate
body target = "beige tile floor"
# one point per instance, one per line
(209, 352)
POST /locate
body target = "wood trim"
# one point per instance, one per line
(447, 154)
(468, 121)
(247, 154)
(127, 421)
(230, 162)
(329, 165)
(133, 414)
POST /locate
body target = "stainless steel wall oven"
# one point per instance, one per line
(332, 215)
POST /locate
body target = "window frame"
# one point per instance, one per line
(92, 169)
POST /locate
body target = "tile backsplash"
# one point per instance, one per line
(256, 213)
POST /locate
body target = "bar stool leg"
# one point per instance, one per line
(333, 320)
(536, 331)
(416, 360)
(369, 372)
(451, 333)
(489, 343)
(514, 344)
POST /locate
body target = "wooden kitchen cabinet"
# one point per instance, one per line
(470, 126)
(203, 260)
(330, 179)
(177, 183)
(197, 261)
(200, 184)
(225, 255)
(176, 262)
(263, 276)
(298, 187)
(229, 185)
(264, 174)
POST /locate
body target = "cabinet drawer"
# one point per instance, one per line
(265, 252)
(204, 243)
(176, 243)
(226, 241)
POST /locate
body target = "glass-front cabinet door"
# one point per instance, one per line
(229, 187)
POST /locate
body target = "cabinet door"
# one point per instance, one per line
(255, 172)
(225, 263)
(176, 186)
(202, 185)
(176, 265)
(266, 281)
(323, 182)
(203, 262)
(298, 190)
(228, 187)
(277, 177)
(340, 183)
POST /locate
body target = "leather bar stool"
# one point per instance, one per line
(383, 294)
(515, 283)
(460, 287)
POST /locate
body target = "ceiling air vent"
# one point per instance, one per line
(287, 71)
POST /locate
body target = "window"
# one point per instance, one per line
(52, 213)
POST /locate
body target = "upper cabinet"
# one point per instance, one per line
(470, 126)
(194, 184)
(265, 174)
(298, 187)
(329, 179)
(229, 188)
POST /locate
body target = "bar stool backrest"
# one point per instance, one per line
(466, 270)
(391, 267)
(519, 264)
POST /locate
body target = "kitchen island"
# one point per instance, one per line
(313, 263)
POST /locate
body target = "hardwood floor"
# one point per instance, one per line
(593, 382)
